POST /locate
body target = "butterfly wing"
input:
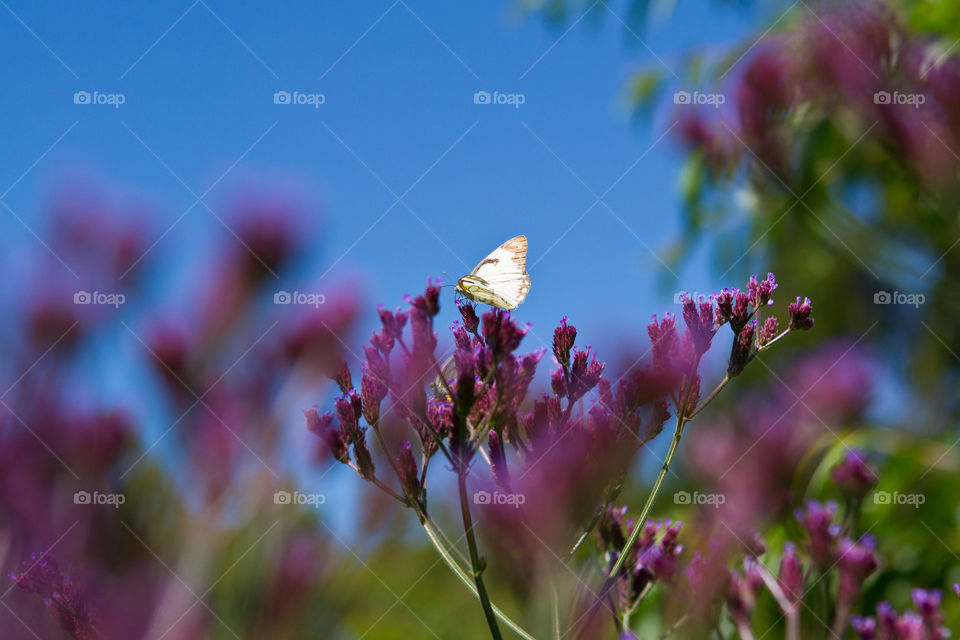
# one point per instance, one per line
(500, 279)
(448, 371)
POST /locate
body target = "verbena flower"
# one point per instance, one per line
(40, 575)
(854, 475)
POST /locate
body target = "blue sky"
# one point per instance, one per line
(398, 119)
(398, 81)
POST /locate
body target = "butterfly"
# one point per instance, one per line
(501, 279)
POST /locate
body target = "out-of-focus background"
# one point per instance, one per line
(203, 203)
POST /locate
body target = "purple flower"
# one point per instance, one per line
(700, 322)
(663, 558)
(373, 384)
(669, 361)
(910, 627)
(392, 323)
(341, 375)
(724, 301)
(40, 575)
(348, 408)
(501, 333)
(585, 374)
(857, 561)
(563, 338)
(558, 382)
(741, 349)
(332, 437)
(760, 292)
(854, 475)
(800, 314)
(424, 340)
(664, 340)
(769, 330)
(821, 531)
(469, 313)
(646, 561)
(791, 574)
(865, 628)
(927, 602)
(740, 313)
(743, 591)
(365, 464)
(429, 302)
(887, 620)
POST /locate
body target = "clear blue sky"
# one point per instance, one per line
(398, 79)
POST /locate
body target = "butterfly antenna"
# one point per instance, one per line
(446, 277)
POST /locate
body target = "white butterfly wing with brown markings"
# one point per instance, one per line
(500, 279)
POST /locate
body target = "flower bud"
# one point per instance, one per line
(341, 375)
(498, 461)
(742, 347)
(800, 314)
(854, 475)
(791, 574)
(407, 467)
(469, 313)
(769, 331)
(563, 338)
(364, 459)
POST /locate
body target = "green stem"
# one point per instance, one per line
(710, 398)
(641, 521)
(676, 625)
(432, 530)
(556, 613)
(475, 555)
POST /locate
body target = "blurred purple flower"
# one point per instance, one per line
(854, 475)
